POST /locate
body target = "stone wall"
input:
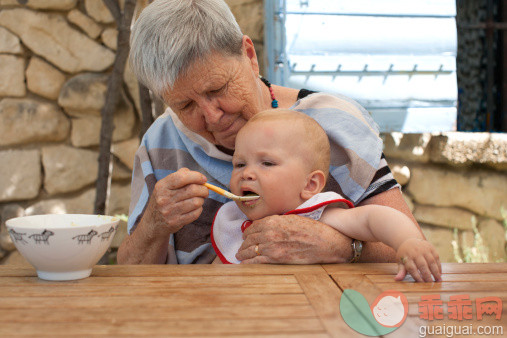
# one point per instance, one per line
(454, 181)
(56, 56)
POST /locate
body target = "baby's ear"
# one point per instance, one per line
(315, 182)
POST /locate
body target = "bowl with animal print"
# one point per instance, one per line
(62, 246)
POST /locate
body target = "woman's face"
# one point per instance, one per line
(217, 95)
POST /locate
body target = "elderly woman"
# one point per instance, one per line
(194, 56)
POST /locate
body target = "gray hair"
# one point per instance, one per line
(171, 34)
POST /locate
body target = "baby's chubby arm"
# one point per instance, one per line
(380, 223)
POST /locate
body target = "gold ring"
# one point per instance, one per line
(403, 260)
(257, 250)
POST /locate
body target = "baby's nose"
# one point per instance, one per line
(248, 173)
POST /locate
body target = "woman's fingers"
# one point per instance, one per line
(182, 178)
(247, 248)
(178, 198)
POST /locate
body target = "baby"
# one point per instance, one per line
(283, 156)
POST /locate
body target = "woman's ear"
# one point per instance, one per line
(249, 51)
(315, 182)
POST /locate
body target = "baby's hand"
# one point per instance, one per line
(419, 258)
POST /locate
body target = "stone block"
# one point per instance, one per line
(133, 88)
(28, 121)
(50, 36)
(441, 238)
(120, 235)
(250, 17)
(493, 235)
(9, 43)
(9, 211)
(68, 169)
(84, 22)
(483, 192)
(62, 5)
(6, 244)
(85, 94)
(119, 199)
(444, 217)
(86, 130)
(81, 204)
(121, 172)
(110, 38)
(400, 172)
(12, 68)
(44, 79)
(126, 151)
(465, 149)
(466, 239)
(408, 147)
(21, 175)
(409, 202)
(98, 11)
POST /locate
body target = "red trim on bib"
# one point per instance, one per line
(219, 254)
(245, 225)
(318, 206)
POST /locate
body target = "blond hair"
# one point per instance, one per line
(312, 135)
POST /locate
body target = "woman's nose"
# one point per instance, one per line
(211, 111)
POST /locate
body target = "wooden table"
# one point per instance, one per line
(232, 300)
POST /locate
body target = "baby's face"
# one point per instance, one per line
(269, 161)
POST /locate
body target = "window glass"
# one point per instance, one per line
(395, 57)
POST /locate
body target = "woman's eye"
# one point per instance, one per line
(268, 164)
(216, 91)
(186, 106)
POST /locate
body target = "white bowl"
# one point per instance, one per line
(62, 246)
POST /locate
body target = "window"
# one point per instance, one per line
(395, 57)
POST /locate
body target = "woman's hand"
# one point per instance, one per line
(177, 200)
(293, 239)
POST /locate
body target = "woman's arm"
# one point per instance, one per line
(175, 202)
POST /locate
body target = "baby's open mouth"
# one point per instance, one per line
(249, 193)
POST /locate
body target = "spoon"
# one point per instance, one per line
(230, 195)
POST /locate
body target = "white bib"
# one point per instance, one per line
(230, 222)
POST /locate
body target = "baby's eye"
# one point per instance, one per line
(238, 165)
(268, 163)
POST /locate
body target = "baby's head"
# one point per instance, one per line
(283, 156)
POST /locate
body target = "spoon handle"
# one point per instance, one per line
(227, 194)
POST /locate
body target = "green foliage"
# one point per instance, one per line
(478, 252)
(122, 217)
